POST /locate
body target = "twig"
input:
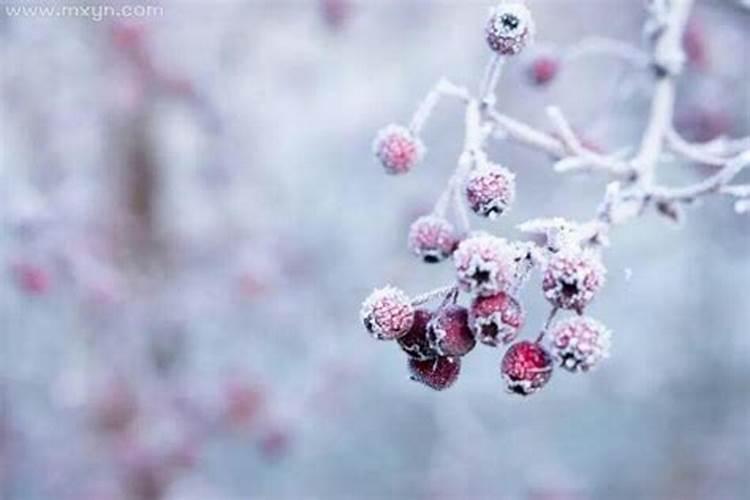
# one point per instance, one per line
(709, 185)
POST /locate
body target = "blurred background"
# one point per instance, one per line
(191, 216)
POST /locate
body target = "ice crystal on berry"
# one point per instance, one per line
(397, 149)
(496, 319)
(415, 343)
(449, 331)
(579, 343)
(490, 190)
(432, 238)
(387, 313)
(572, 277)
(510, 28)
(485, 264)
(526, 368)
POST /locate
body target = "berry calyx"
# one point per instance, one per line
(580, 343)
(432, 238)
(526, 368)
(496, 319)
(415, 343)
(490, 190)
(397, 149)
(510, 28)
(387, 313)
(485, 265)
(438, 374)
(572, 277)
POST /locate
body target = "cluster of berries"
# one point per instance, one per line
(489, 269)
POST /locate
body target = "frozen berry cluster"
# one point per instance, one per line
(490, 271)
(482, 306)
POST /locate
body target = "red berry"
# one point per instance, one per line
(439, 373)
(490, 190)
(579, 343)
(32, 279)
(510, 28)
(572, 277)
(449, 331)
(485, 265)
(495, 319)
(543, 70)
(335, 12)
(433, 238)
(397, 149)
(694, 44)
(526, 368)
(416, 343)
(387, 313)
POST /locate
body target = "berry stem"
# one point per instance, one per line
(547, 323)
(443, 88)
(443, 292)
(489, 82)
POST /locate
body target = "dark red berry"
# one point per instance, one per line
(526, 368)
(416, 343)
(439, 373)
(449, 331)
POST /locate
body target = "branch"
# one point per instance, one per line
(711, 184)
(668, 60)
(443, 88)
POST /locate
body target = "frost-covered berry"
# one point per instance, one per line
(387, 313)
(449, 331)
(439, 373)
(496, 319)
(572, 278)
(579, 343)
(485, 265)
(543, 70)
(510, 28)
(397, 149)
(490, 190)
(432, 238)
(526, 368)
(415, 343)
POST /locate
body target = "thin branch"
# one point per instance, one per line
(711, 184)
(443, 88)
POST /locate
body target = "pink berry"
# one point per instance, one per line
(416, 343)
(694, 45)
(543, 70)
(510, 28)
(449, 331)
(432, 238)
(579, 343)
(496, 318)
(335, 12)
(526, 368)
(439, 373)
(490, 190)
(32, 279)
(485, 265)
(397, 149)
(387, 313)
(572, 277)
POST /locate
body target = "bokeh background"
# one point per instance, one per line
(191, 215)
